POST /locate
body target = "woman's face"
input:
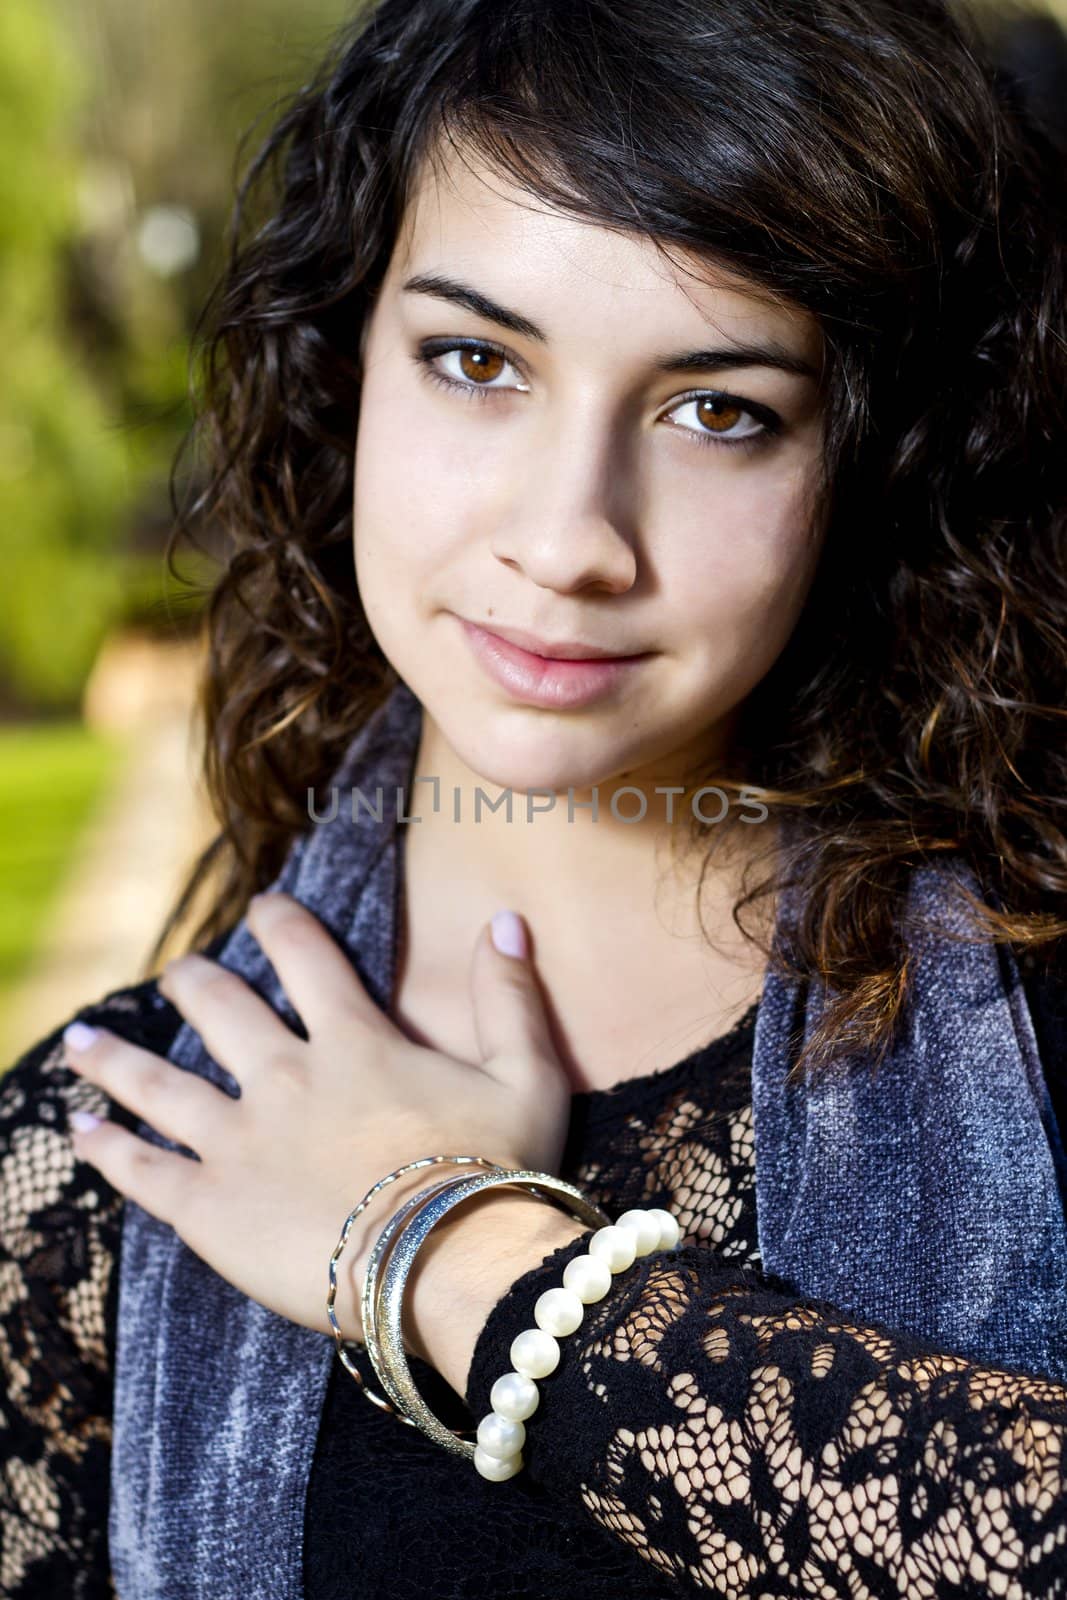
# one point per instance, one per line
(562, 433)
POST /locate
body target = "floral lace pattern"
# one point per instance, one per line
(60, 1228)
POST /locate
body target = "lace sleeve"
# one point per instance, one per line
(749, 1443)
(60, 1226)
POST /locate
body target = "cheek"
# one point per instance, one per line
(392, 515)
(417, 487)
(740, 577)
(747, 551)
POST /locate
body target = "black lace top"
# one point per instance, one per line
(706, 1432)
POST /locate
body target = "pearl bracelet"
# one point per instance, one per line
(391, 1261)
(535, 1352)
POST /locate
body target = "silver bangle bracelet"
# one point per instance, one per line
(383, 1287)
(370, 1300)
(339, 1339)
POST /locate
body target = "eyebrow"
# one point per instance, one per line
(771, 354)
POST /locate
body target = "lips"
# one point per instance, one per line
(563, 650)
(555, 682)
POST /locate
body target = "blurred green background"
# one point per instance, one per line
(120, 126)
(120, 122)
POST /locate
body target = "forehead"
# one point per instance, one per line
(467, 219)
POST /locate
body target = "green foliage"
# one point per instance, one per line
(51, 780)
(63, 477)
(107, 108)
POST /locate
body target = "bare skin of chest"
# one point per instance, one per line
(640, 1001)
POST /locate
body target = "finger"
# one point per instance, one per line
(314, 971)
(162, 1181)
(178, 1104)
(238, 1027)
(510, 1016)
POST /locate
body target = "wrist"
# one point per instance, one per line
(467, 1265)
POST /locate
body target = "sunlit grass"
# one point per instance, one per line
(52, 777)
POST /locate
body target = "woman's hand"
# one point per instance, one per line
(318, 1121)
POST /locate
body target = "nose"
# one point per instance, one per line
(564, 527)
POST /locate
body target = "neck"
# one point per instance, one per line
(582, 879)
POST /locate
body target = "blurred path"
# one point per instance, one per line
(133, 855)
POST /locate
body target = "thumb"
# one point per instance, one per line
(510, 1017)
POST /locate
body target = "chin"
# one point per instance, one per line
(545, 757)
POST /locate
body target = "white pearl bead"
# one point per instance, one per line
(670, 1232)
(493, 1468)
(534, 1353)
(499, 1436)
(616, 1246)
(514, 1396)
(589, 1277)
(645, 1226)
(558, 1311)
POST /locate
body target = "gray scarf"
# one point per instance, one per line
(927, 1200)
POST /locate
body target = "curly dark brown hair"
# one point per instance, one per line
(860, 159)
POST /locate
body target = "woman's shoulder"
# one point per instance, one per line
(39, 1090)
(45, 1192)
(137, 1012)
(43, 1187)
(40, 1076)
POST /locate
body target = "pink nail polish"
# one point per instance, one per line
(509, 935)
(79, 1035)
(84, 1121)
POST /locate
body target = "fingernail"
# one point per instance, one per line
(84, 1121)
(79, 1035)
(509, 935)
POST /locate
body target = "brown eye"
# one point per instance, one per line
(717, 413)
(481, 365)
(717, 417)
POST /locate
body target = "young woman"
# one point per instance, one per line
(638, 433)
